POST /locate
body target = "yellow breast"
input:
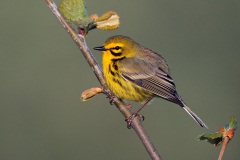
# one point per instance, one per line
(120, 86)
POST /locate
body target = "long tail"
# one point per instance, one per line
(180, 102)
(194, 116)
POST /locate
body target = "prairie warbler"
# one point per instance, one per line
(136, 73)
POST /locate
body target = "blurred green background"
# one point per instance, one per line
(43, 75)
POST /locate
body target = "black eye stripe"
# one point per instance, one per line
(115, 54)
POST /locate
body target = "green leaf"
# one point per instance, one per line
(233, 123)
(73, 10)
(213, 138)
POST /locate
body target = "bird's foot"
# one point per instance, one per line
(111, 99)
(130, 119)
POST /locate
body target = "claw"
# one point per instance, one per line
(111, 99)
(141, 117)
(130, 119)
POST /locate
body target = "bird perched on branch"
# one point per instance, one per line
(136, 73)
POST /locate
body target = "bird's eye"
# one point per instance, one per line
(117, 47)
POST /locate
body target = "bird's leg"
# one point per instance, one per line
(135, 114)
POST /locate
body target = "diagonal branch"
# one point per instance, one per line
(81, 43)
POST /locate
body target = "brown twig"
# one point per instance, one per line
(224, 145)
(81, 43)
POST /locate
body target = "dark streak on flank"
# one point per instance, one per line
(117, 81)
(109, 68)
(114, 65)
(114, 60)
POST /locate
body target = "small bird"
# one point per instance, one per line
(136, 73)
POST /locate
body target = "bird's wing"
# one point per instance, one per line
(150, 77)
(156, 58)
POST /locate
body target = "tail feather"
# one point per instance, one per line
(194, 116)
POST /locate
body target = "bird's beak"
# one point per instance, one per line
(101, 48)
